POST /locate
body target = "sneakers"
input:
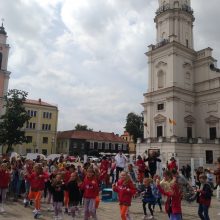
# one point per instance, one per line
(144, 217)
(26, 203)
(150, 217)
(34, 211)
(2, 210)
(66, 211)
(50, 209)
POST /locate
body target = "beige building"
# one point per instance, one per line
(182, 103)
(41, 129)
(131, 145)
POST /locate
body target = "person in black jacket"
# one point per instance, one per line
(57, 190)
(152, 163)
(74, 193)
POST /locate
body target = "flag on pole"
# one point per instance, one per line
(172, 122)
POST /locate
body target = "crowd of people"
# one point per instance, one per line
(68, 187)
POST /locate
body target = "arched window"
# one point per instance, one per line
(161, 79)
(0, 61)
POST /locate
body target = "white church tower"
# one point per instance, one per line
(182, 103)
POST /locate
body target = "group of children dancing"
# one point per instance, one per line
(71, 186)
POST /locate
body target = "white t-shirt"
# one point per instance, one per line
(121, 160)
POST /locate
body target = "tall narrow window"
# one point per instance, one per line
(189, 132)
(159, 131)
(209, 156)
(212, 133)
(187, 43)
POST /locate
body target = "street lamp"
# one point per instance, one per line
(52, 144)
(139, 144)
(34, 145)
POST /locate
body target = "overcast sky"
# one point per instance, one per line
(87, 56)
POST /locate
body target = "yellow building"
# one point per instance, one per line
(131, 145)
(41, 129)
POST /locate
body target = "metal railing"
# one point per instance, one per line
(166, 7)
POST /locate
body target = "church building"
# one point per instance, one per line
(182, 103)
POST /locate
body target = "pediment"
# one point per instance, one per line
(212, 119)
(159, 118)
(189, 119)
(161, 63)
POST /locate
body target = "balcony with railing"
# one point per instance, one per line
(166, 7)
(181, 140)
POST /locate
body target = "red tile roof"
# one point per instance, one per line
(90, 135)
(38, 102)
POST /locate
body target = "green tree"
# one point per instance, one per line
(80, 127)
(134, 126)
(12, 122)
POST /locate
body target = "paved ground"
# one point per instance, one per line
(107, 211)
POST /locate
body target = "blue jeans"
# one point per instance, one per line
(175, 216)
(203, 212)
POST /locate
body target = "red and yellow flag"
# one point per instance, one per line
(172, 122)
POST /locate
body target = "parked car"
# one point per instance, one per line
(53, 156)
(33, 156)
(93, 159)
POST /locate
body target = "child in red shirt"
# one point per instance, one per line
(125, 189)
(37, 183)
(91, 190)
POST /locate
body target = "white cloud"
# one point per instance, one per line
(87, 56)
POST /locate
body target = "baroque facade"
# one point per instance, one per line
(182, 103)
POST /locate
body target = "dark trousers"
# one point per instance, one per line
(203, 212)
(118, 170)
(149, 207)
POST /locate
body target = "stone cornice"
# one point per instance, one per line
(208, 92)
(169, 89)
(173, 98)
(175, 46)
(208, 80)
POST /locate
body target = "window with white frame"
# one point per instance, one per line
(124, 147)
(99, 145)
(106, 146)
(91, 145)
(113, 146)
(119, 147)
